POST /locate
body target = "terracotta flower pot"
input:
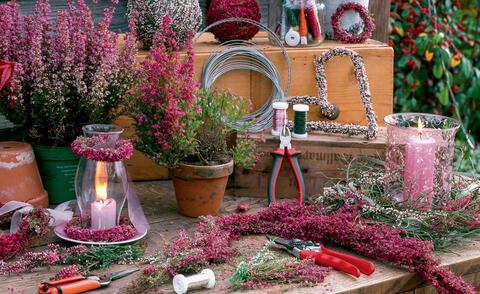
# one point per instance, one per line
(200, 189)
(19, 176)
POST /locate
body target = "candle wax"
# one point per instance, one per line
(104, 214)
(419, 171)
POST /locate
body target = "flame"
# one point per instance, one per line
(101, 179)
(420, 127)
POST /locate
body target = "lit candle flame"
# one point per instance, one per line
(420, 127)
(101, 179)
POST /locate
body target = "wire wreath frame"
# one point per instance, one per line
(331, 110)
(341, 34)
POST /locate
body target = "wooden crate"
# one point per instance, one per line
(139, 166)
(342, 85)
(323, 162)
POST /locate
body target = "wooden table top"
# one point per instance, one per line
(160, 207)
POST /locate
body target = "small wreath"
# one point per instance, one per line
(93, 148)
(344, 36)
(77, 229)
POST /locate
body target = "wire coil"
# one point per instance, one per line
(243, 55)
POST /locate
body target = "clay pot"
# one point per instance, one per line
(19, 176)
(200, 189)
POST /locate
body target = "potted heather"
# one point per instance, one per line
(187, 129)
(65, 75)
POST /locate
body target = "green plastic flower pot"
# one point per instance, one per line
(57, 166)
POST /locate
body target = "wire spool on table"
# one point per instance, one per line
(243, 55)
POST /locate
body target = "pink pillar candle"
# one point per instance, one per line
(419, 171)
(104, 214)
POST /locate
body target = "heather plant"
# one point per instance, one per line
(163, 103)
(66, 74)
(219, 110)
(176, 122)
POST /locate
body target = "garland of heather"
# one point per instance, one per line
(77, 229)
(93, 148)
(33, 225)
(347, 228)
(81, 258)
(212, 241)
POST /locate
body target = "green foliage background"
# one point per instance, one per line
(437, 60)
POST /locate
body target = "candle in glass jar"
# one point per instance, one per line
(103, 210)
(419, 169)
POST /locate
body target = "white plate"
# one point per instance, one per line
(59, 231)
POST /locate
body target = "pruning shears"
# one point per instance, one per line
(286, 150)
(81, 284)
(326, 257)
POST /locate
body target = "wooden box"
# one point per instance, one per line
(323, 163)
(342, 85)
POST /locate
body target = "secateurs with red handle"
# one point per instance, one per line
(326, 257)
(286, 150)
(81, 284)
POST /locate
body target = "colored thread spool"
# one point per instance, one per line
(279, 117)
(300, 121)
(205, 279)
(313, 20)
(303, 26)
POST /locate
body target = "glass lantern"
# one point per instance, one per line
(297, 23)
(419, 159)
(101, 187)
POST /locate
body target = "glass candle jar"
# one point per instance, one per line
(419, 159)
(100, 186)
(297, 23)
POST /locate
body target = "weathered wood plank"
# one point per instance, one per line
(158, 201)
(323, 163)
(380, 9)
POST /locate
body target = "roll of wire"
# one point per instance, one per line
(244, 55)
(279, 117)
(300, 121)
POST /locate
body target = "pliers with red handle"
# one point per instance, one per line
(286, 150)
(80, 284)
(326, 257)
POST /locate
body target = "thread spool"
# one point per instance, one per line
(205, 279)
(279, 117)
(300, 120)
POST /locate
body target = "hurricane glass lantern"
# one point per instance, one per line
(419, 158)
(101, 186)
(297, 23)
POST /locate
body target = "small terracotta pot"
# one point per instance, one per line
(200, 189)
(19, 176)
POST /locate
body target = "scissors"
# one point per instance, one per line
(81, 284)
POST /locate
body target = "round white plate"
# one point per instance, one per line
(59, 231)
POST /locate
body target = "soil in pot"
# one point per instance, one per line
(58, 166)
(200, 189)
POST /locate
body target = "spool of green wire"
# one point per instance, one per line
(300, 121)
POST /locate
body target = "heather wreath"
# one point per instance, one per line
(66, 74)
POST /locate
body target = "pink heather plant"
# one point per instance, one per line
(66, 75)
(162, 104)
